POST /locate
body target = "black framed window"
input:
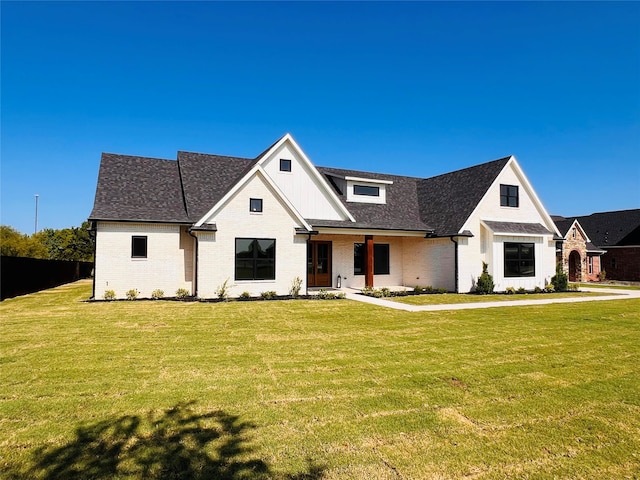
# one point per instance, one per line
(285, 165)
(366, 190)
(255, 205)
(509, 196)
(380, 259)
(139, 247)
(255, 259)
(519, 260)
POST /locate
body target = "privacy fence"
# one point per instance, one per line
(20, 275)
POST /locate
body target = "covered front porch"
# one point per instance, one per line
(394, 260)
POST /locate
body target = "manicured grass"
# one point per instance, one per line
(609, 285)
(453, 298)
(316, 389)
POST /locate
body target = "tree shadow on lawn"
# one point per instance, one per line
(178, 444)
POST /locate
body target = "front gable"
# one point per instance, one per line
(529, 208)
(299, 180)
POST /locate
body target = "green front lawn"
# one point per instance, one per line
(453, 298)
(316, 389)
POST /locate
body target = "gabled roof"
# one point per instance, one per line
(138, 189)
(207, 178)
(607, 229)
(447, 201)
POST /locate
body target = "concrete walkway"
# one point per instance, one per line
(607, 294)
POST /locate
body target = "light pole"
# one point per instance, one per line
(36, 230)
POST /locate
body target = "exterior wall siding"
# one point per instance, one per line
(216, 250)
(168, 266)
(622, 263)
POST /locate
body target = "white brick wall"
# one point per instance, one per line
(216, 250)
(168, 266)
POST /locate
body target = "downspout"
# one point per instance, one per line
(93, 231)
(306, 282)
(452, 238)
(195, 263)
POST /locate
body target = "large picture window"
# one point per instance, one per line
(255, 259)
(519, 260)
(380, 259)
(509, 196)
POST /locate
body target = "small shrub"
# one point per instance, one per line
(521, 291)
(602, 276)
(444, 290)
(109, 295)
(385, 292)
(182, 293)
(223, 290)
(573, 287)
(550, 288)
(341, 295)
(400, 293)
(510, 290)
(132, 294)
(244, 296)
(428, 289)
(268, 295)
(537, 289)
(418, 289)
(485, 284)
(157, 294)
(560, 281)
(376, 293)
(296, 285)
(366, 291)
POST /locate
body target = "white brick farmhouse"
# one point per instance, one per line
(259, 223)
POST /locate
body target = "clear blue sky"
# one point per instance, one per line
(406, 88)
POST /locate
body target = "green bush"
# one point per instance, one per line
(132, 294)
(484, 285)
(182, 293)
(223, 290)
(560, 281)
(509, 290)
(521, 291)
(385, 292)
(418, 289)
(296, 285)
(109, 295)
(602, 276)
(537, 289)
(549, 288)
(244, 296)
(268, 295)
(157, 294)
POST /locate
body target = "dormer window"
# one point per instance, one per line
(509, 196)
(367, 190)
(285, 165)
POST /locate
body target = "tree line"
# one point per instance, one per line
(75, 243)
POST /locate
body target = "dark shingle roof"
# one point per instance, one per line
(206, 178)
(516, 228)
(563, 225)
(399, 213)
(447, 201)
(138, 189)
(618, 228)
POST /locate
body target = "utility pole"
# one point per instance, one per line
(36, 230)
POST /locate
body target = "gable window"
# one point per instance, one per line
(519, 260)
(255, 205)
(509, 196)
(285, 165)
(139, 247)
(380, 259)
(255, 259)
(366, 190)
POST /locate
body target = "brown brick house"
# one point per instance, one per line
(616, 234)
(579, 256)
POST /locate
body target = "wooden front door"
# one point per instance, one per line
(319, 264)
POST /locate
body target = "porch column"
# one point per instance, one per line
(368, 274)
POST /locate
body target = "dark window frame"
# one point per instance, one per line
(509, 196)
(285, 165)
(255, 262)
(366, 190)
(258, 205)
(381, 258)
(521, 265)
(139, 246)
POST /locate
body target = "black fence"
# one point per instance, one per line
(20, 275)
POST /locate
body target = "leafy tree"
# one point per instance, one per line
(16, 244)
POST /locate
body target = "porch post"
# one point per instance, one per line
(368, 274)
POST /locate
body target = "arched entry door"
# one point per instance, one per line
(575, 267)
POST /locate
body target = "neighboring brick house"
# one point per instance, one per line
(579, 256)
(617, 233)
(259, 223)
